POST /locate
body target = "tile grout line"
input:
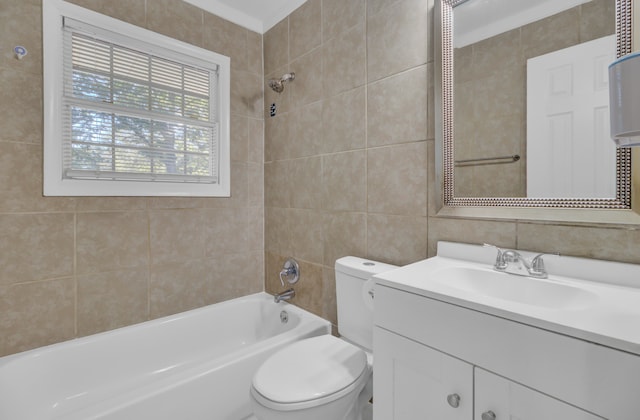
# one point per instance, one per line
(148, 214)
(366, 128)
(75, 272)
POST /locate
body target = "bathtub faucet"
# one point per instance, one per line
(286, 295)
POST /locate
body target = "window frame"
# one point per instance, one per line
(54, 183)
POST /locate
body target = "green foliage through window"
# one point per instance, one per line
(131, 113)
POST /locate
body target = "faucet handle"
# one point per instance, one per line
(290, 270)
(500, 263)
(537, 263)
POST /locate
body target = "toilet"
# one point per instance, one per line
(325, 377)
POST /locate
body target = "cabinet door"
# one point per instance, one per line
(500, 399)
(414, 382)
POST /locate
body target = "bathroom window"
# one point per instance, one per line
(129, 111)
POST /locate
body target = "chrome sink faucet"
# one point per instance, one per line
(510, 261)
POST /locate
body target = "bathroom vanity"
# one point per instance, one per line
(454, 339)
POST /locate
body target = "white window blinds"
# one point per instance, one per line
(131, 114)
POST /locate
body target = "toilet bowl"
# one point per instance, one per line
(325, 377)
(317, 378)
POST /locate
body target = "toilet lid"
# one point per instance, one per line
(310, 369)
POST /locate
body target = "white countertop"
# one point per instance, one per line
(610, 316)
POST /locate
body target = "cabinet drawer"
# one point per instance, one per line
(602, 380)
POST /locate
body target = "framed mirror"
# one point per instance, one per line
(522, 103)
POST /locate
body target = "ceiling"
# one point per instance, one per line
(481, 19)
(475, 20)
(256, 15)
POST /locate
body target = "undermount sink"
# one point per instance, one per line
(531, 291)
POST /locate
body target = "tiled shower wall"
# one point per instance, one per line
(349, 166)
(349, 157)
(75, 266)
(346, 155)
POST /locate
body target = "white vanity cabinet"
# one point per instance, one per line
(427, 350)
(413, 381)
(498, 398)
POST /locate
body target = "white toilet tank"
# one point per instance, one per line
(355, 315)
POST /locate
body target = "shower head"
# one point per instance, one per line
(278, 84)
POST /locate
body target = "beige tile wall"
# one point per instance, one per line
(76, 266)
(350, 170)
(346, 155)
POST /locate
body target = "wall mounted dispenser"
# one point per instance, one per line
(624, 100)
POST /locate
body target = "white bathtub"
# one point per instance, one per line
(196, 365)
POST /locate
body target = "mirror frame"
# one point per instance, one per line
(443, 49)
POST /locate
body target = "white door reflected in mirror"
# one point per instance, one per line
(569, 153)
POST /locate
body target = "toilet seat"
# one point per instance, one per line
(309, 373)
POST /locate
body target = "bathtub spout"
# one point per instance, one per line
(286, 295)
